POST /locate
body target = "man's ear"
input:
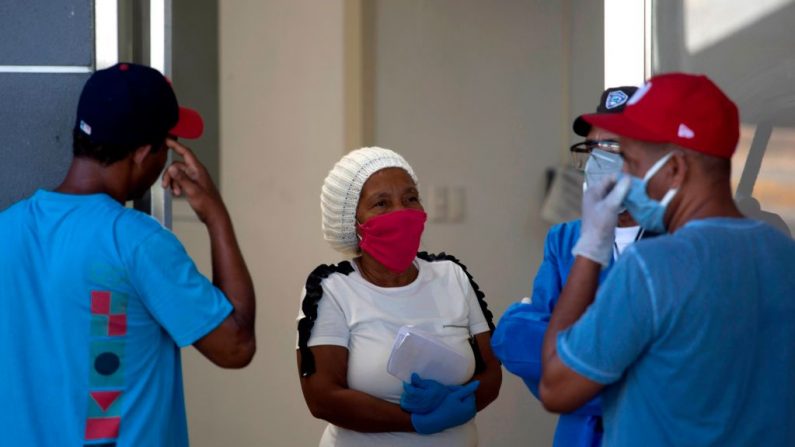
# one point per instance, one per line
(140, 154)
(679, 170)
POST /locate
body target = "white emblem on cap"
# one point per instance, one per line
(615, 99)
(639, 94)
(685, 132)
(85, 127)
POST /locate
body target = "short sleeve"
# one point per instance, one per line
(477, 321)
(616, 328)
(182, 300)
(331, 326)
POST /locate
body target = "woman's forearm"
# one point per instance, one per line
(491, 377)
(360, 412)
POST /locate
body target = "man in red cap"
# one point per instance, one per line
(698, 351)
(96, 299)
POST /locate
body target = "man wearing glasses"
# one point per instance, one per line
(520, 333)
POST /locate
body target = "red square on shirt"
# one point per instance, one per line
(100, 302)
(102, 428)
(117, 325)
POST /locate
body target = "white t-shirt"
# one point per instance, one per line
(365, 319)
(625, 236)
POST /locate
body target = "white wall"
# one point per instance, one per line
(477, 95)
(281, 130)
(474, 94)
(470, 93)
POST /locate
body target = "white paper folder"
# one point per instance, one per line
(415, 351)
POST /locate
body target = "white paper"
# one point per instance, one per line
(415, 351)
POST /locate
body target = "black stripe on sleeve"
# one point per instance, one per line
(314, 292)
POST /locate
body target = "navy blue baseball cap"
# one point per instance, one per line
(613, 100)
(133, 105)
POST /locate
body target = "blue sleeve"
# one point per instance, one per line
(182, 300)
(616, 328)
(519, 335)
(548, 281)
(517, 342)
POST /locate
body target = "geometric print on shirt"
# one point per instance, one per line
(106, 370)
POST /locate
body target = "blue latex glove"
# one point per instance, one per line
(423, 395)
(457, 408)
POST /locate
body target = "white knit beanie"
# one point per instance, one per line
(342, 187)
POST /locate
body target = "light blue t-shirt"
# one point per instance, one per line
(695, 335)
(95, 301)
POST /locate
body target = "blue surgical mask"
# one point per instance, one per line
(601, 165)
(647, 212)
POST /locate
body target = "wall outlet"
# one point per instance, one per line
(456, 204)
(445, 204)
(436, 205)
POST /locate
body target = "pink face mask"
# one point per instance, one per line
(393, 238)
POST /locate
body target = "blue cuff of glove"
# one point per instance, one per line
(419, 427)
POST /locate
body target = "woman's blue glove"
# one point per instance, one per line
(423, 395)
(457, 408)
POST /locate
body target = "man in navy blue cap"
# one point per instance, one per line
(518, 338)
(97, 298)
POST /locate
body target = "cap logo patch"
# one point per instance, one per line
(639, 94)
(615, 99)
(85, 127)
(685, 132)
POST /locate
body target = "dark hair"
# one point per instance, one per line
(107, 154)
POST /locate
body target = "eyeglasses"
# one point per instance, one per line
(582, 150)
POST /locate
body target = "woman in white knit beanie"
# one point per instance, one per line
(351, 314)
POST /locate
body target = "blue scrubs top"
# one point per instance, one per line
(519, 335)
(693, 333)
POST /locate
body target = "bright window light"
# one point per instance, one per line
(710, 21)
(157, 35)
(625, 42)
(106, 39)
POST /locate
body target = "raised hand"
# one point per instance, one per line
(601, 204)
(191, 179)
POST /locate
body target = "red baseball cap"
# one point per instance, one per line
(189, 125)
(685, 109)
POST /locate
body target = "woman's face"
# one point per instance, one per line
(387, 190)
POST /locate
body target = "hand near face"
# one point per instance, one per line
(601, 204)
(191, 179)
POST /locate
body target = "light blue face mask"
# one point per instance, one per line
(647, 212)
(601, 165)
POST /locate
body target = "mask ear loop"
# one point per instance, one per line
(653, 170)
(657, 166)
(356, 227)
(669, 196)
